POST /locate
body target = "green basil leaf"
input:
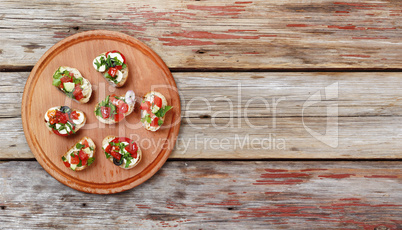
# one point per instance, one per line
(98, 111)
(56, 82)
(63, 158)
(90, 161)
(79, 164)
(78, 81)
(79, 146)
(128, 162)
(161, 112)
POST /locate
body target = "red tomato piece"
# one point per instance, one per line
(84, 162)
(118, 117)
(83, 156)
(74, 115)
(121, 139)
(112, 71)
(158, 101)
(113, 100)
(63, 118)
(66, 79)
(52, 120)
(116, 155)
(71, 74)
(123, 108)
(78, 92)
(105, 112)
(75, 160)
(58, 113)
(108, 148)
(146, 106)
(154, 122)
(132, 148)
(85, 143)
(66, 164)
(119, 67)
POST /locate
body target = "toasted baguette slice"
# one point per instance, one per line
(105, 143)
(85, 86)
(88, 155)
(51, 116)
(121, 77)
(149, 97)
(111, 119)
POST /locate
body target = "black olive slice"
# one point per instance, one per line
(65, 109)
(117, 162)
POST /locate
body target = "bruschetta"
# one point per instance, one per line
(64, 121)
(81, 155)
(113, 67)
(122, 151)
(114, 108)
(153, 109)
(70, 81)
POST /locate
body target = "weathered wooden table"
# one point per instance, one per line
(291, 115)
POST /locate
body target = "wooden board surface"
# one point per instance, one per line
(264, 34)
(369, 122)
(147, 72)
(214, 195)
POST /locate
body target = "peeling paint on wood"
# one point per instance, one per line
(281, 34)
(355, 202)
(369, 117)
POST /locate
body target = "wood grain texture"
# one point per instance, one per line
(359, 138)
(226, 34)
(368, 107)
(211, 195)
(214, 94)
(147, 72)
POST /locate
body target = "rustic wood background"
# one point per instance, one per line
(278, 50)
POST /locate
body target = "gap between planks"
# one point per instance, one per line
(197, 70)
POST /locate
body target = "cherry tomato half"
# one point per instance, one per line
(105, 112)
(158, 101)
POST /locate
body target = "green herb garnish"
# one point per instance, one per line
(147, 119)
(162, 111)
(90, 161)
(79, 146)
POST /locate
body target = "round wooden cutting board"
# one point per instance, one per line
(147, 72)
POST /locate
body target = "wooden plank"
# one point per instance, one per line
(266, 34)
(214, 195)
(359, 138)
(260, 94)
(369, 110)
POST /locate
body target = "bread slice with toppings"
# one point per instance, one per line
(81, 155)
(113, 67)
(114, 108)
(154, 107)
(64, 121)
(71, 82)
(122, 151)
